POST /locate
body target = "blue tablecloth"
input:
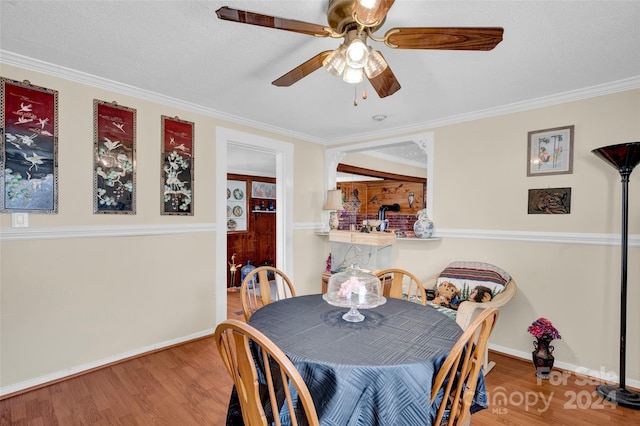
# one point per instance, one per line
(376, 372)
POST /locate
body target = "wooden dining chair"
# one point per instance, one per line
(457, 379)
(262, 286)
(404, 285)
(238, 343)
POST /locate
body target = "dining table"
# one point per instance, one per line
(376, 372)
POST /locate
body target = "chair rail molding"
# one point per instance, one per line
(67, 232)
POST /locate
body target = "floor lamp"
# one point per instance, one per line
(624, 157)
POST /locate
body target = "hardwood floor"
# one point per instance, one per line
(188, 385)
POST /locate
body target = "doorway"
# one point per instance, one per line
(283, 153)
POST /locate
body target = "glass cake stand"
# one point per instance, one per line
(354, 289)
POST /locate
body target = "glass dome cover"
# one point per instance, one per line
(354, 289)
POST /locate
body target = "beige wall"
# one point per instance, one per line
(481, 192)
(480, 168)
(68, 303)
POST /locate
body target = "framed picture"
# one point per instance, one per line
(263, 190)
(177, 167)
(550, 201)
(114, 161)
(550, 151)
(28, 148)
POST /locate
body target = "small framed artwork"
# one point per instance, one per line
(263, 190)
(550, 201)
(177, 167)
(114, 161)
(550, 151)
(28, 148)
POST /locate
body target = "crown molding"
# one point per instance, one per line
(623, 85)
(36, 65)
(21, 61)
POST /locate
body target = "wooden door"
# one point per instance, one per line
(265, 238)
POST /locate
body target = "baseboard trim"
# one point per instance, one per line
(59, 376)
(50, 379)
(599, 376)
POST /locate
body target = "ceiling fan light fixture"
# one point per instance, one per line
(335, 62)
(375, 64)
(353, 75)
(357, 54)
(356, 21)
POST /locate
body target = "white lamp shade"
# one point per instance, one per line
(335, 62)
(334, 200)
(352, 75)
(357, 54)
(375, 65)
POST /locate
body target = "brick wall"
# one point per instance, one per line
(397, 222)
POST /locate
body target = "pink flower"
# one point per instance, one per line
(352, 285)
(542, 327)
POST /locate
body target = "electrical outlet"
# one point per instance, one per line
(19, 220)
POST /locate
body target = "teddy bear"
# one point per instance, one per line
(481, 294)
(445, 294)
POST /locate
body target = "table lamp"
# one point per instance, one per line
(333, 203)
(623, 157)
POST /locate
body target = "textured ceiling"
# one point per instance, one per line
(181, 52)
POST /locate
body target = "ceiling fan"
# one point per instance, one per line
(356, 21)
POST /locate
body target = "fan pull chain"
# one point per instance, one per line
(355, 94)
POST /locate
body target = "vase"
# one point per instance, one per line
(542, 357)
(423, 227)
(244, 271)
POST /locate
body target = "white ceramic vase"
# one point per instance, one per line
(423, 227)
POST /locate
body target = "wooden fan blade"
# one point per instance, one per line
(444, 38)
(385, 83)
(245, 17)
(374, 15)
(302, 70)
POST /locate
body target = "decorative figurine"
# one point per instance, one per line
(233, 267)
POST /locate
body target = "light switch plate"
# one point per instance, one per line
(19, 220)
